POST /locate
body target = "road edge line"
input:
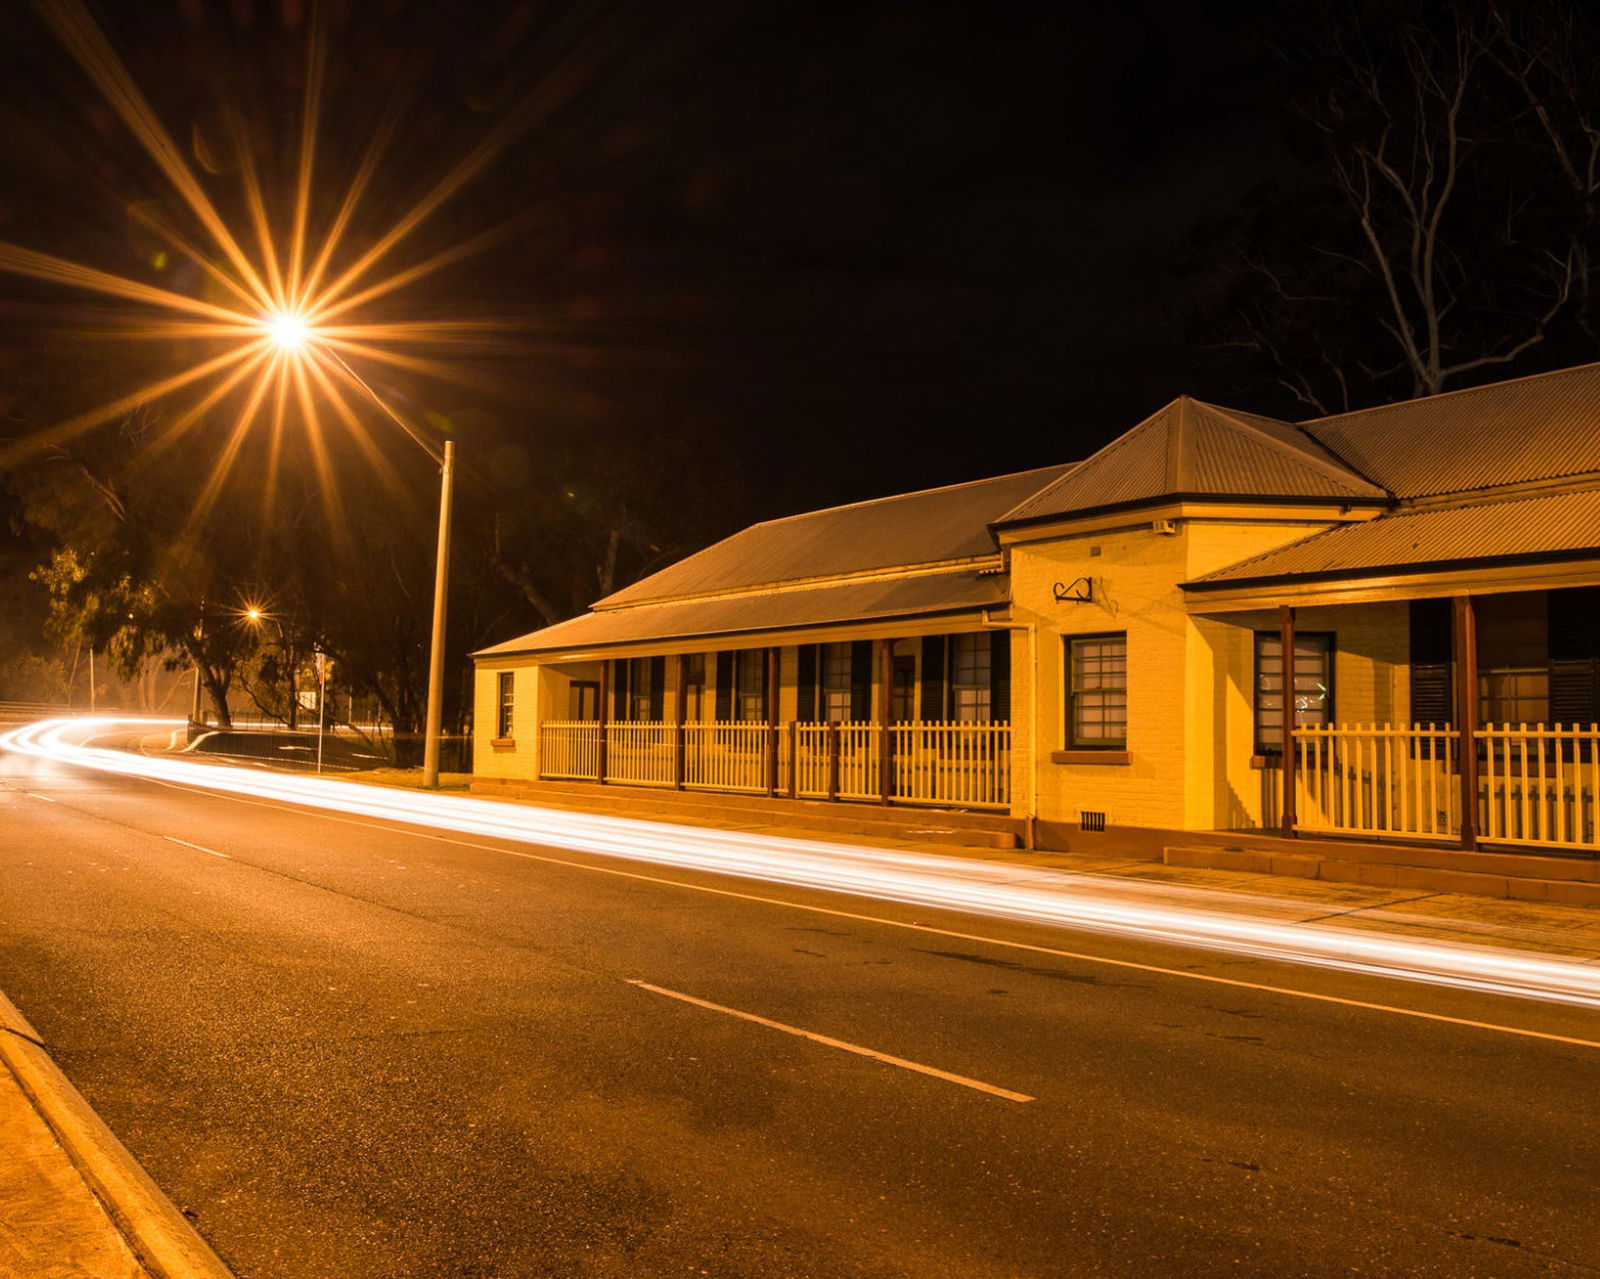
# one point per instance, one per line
(160, 1236)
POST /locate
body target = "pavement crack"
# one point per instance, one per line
(1357, 910)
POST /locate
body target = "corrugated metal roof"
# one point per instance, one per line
(1555, 524)
(779, 610)
(1190, 448)
(927, 527)
(1541, 427)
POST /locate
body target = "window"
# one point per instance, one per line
(1313, 685)
(506, 687)
(971, 688)
(643, 695)
(836, 684)
(903, 706)
(741, 686)
(1513, 660)
(583, 700)
(1097, 692)
(694, 679)
(751, 663)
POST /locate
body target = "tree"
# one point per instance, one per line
(1444, 228)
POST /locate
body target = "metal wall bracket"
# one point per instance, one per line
(1080, 592)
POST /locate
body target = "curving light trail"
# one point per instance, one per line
(1003, 891)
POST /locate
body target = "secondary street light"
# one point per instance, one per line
(292, 333)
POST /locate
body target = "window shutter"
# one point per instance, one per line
(724, 695)
(658, 688)
(1000, 676)
(1431, 656)
(933, 708)
(861, 680)
(806, 705)
(1574, 629)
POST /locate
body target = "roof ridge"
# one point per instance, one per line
(1180, 430)
(1331, 465)
(1445, 395)
(1063, 467)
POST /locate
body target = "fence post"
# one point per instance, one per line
(1467, 716)
(1286, 644)
(794, 759)
(680, 735)
(605, 702)
(885, 719)
(833, 760)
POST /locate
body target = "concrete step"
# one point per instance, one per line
(921, 825)
(1496, 875)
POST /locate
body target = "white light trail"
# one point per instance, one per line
(998, 890)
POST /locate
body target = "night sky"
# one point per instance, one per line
(814, 252)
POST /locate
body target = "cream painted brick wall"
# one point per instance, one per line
(1135, 576)
(1190, 719)
(532, 685)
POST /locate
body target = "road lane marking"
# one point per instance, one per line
(199, 848)
(46, 798)
(399, 826)
(812, 1035)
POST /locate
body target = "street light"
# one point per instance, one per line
(292, 333)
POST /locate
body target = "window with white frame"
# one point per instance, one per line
(1312, 690)
(504, 703)
(834, 683)
(750, 685)
(1097, 692)
(971, 687)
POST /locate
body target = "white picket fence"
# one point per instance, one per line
(640, 754)
(1540, 786)
(569, 750)
(1537, 786)
(728, 757)
(961, 765)
(957, 765)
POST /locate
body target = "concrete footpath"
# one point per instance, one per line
(74, 1204)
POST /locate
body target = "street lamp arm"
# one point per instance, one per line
(416, 437)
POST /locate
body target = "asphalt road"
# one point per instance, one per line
(348, 1048)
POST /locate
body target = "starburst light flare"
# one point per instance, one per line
(289, 331)
(284, 320)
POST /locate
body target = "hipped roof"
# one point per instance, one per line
(1193, 449)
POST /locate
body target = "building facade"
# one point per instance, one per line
(1103, 644)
